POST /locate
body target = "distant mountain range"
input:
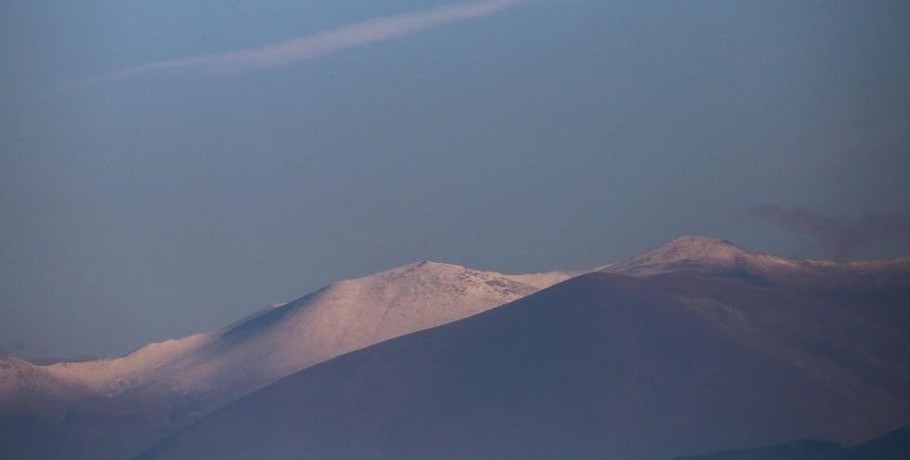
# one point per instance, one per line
(697, 346)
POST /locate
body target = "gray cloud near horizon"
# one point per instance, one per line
(842, 237)
(311, 46)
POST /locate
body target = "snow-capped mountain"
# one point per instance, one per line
(23, 383)
(694, 346)
(709, 347)
(699, 253)
(182, 379)
(282, 339)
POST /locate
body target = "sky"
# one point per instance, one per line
(168, 167)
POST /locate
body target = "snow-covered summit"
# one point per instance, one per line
(702, 253)
(693, 248)
(714, 255)
(340, 318)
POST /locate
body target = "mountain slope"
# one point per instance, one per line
(287, 337)
(131, 400)
(22, 383)
(43, 416)
(602, 366)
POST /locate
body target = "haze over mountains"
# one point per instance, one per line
(696, 346)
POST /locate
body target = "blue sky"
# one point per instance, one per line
(144, 200)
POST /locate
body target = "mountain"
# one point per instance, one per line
(22, 382)
(893, 446)
(29, 396)
(284, 338)
(125, 402)
(696, 346)
(43, 416)
(722, 258)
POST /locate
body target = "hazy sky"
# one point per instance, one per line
(170, 166)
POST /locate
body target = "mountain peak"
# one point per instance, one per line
(427, 270)
(344, 316)
(431, 265)
(712, 255)
(693, 248)
(697, 247)
(425, 273)
(687, 252)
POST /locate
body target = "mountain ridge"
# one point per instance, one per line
(177, 382)
(161, 386)
(701, 253)
(111, 375)
(605, 365)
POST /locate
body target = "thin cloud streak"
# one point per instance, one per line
(311, 46)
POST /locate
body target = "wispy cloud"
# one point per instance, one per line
(843, 237)
(311, 46)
